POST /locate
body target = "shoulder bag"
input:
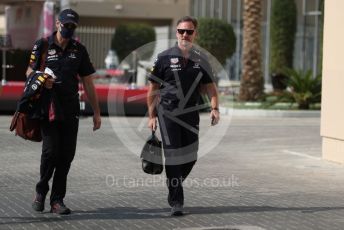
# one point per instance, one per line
(24, 126)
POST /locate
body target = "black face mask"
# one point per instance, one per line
(66, 33)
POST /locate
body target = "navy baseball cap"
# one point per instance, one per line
(69, 16)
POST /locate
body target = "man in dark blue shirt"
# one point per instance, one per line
(68, 60)
(178, 75)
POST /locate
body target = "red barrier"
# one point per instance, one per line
(12, 90)
(107, 94)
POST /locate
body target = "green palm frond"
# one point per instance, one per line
(303, 88)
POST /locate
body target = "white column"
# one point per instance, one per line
(48, 18)
(267, 42)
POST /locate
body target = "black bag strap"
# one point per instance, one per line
(44, 54)
(14, 121)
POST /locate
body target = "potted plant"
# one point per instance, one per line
(302, 89)
(217, 37)
(129, 37)
(283, 29)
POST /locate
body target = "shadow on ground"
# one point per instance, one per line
(159, 213)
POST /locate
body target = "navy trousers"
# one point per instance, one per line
(180, 143)
(58, 150)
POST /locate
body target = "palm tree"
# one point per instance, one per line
(252, 84)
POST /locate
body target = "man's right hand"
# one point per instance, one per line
(49, 83)
(152, 123)
(96, 121)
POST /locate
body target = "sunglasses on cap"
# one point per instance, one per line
(70, 26)
(182, 31)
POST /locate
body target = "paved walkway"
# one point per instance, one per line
(266, 173)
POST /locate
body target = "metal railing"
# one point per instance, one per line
(97, 41)
(5, 44)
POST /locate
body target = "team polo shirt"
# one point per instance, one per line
(66, 64)
(180, 78)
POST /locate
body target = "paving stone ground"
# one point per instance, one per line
(265, 173)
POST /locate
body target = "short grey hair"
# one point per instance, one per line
(188, 19)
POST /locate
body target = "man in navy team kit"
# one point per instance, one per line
(177, 76)
(68, 60)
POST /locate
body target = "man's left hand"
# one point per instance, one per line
(215, 117)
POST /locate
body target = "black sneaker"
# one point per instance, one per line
(177, 210)
(38, 203)
(59, 207)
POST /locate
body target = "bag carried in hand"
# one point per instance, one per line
(151, 155)
(25, 127)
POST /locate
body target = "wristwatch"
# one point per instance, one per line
(215, 108)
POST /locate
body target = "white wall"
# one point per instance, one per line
(332, 122)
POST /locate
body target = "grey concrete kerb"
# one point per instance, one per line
(227, 227)
(268, 113)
